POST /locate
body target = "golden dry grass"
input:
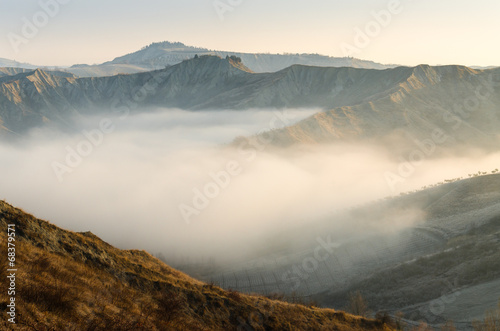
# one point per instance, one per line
(75, 281)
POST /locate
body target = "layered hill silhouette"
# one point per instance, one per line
(15, 64)
(10, 71)
(75, 281)
(357, 103)
(459, 103)
(162, 54)
(159, 55)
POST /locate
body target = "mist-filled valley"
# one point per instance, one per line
(250, 165)
(172, 181)
(210, 193)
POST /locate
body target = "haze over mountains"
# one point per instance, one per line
(455, 101)
(15, 64)
(159, 55)
(358, 103)
(162, 54)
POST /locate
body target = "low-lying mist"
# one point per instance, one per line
(169, 181)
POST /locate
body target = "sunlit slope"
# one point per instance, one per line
(9, 71)
(69, 280)
(458, 102)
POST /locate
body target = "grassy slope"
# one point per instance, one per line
(467, 258)
(75, 281)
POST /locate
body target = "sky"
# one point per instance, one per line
(407, 32)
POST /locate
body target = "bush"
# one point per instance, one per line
(52, 297)
(169, 306)
(234, 58)
(234, 295)
(491, 321)
(357, 304)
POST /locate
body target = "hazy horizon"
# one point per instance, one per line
(396, 32)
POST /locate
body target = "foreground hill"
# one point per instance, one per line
(358, 103)
(75, 281)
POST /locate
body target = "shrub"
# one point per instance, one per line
(169, 306)
(357, 304)
(234, 295)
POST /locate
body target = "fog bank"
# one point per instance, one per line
(166, 182)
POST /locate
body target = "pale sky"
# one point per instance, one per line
(90, 31)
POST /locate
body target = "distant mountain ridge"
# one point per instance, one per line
(460, 102)
(15, 64)
(11, 71)
(357, 103)
(161, 54)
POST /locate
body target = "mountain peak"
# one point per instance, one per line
(165, 44)
(39, 72)
(236, 62)
(214, 63)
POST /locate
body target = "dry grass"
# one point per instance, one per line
(491, 321)
(75, 281)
